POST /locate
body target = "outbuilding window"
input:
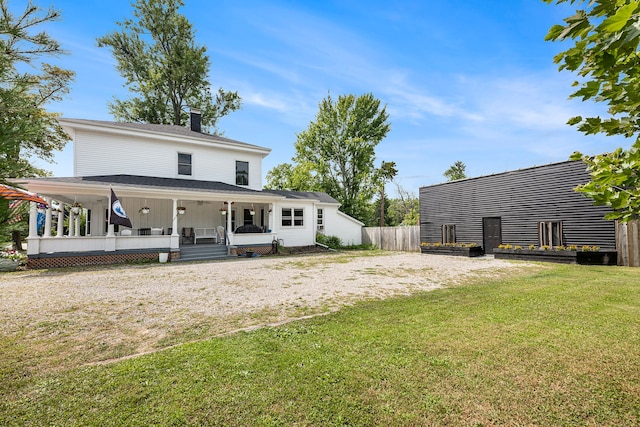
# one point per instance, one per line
(320, 219)
(550, 233)
(448, 233)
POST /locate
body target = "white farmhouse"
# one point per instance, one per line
(181, 188)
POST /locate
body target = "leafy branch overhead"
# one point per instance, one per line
(605, 55)
(164, 66)
(27, 129)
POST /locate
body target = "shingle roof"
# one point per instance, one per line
(165, 129)
(157, 182)
(305, 195)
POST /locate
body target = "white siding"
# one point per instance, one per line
(348, 229)
(99, 153)
(296, 236)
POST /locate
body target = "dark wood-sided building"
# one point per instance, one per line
(533, 206)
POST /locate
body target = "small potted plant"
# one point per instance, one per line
(75, 208)
(10, 259)
(181, 210)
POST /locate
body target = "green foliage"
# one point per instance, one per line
(615, 182)
(607, 36)
(333, 242)
(162, 64)
(336, 153)
(605, 56)
(456, 171)
(27, 130)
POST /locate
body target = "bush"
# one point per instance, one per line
(333, 242)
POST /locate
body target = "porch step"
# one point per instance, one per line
(201, 252)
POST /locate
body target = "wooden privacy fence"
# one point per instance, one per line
(628, 243)
(406, 239)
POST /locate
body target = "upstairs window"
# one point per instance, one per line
(184, 164)
(449, 233)
(242, 173)
(550, 233)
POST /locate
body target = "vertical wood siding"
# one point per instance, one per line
(405, 239)
(628, 247)
(522, 199)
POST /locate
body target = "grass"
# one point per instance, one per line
(559, 346)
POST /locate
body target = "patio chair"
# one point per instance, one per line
(144, 231)
(220, 231)
(187, 235)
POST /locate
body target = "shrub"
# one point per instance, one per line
(333, 242)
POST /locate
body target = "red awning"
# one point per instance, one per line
(12, 193)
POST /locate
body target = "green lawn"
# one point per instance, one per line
(560, 346)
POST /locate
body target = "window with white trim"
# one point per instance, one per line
(292, 217)
(320, 222)
(550, 233)
(242, 173)
(184, 164)
(448, 233)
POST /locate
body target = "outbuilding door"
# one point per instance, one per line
(492, 233)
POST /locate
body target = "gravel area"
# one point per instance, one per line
(135, 309)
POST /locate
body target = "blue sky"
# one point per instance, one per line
(468, 80)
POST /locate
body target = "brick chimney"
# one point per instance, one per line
(195, 117)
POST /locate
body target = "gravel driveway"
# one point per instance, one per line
(78, 316)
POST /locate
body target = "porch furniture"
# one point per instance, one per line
(205, 233)
(249, 228)
(220, 234)
(144, 231)
(187, 235)
(157, 231)
(125, 233)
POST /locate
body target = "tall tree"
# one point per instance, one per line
(386, 172)
(605, 55)
(404, 209)
(456, 171)
(165, 68)
(27, 129)
(338, 148)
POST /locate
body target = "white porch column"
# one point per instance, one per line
(60, 221)
(76, 231)
(71, 222)
(33, 241)
(174, 224)
(33, 219)
(47, 220)
(229, 230)
(175, 236)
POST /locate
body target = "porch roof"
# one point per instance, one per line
(68, 188)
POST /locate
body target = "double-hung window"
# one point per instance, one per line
(320, 222)
(184, 164)
(242, 173)
(292, 217)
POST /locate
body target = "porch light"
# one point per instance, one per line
(181, 210)
(223, 211)
(252, 212)
(145, 210)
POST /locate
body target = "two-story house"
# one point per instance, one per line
(179, 187)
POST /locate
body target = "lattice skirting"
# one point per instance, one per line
(72, 260)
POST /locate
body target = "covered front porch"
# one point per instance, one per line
(164, 217)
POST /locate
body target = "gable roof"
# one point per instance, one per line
(158, 130)
(305, 195)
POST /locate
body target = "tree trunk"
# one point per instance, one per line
(17, 240)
